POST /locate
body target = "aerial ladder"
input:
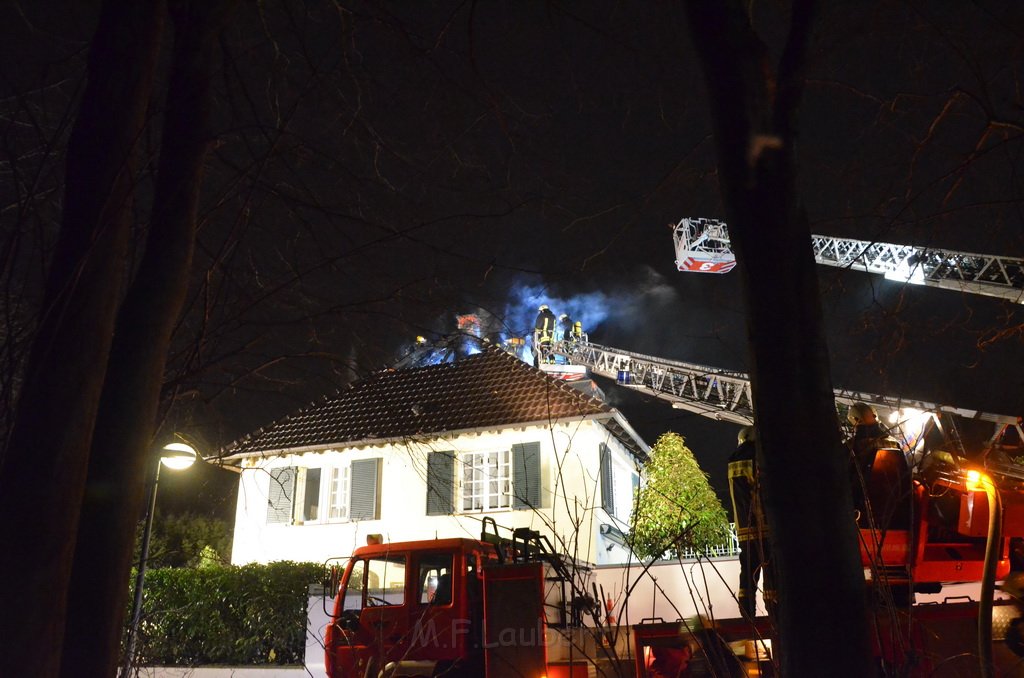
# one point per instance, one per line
(924, 521)
(719, 394)
(702, 246)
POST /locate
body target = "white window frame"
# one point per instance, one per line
(485, 483)
(337, 493)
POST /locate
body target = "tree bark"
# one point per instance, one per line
(123, 449)
(822, 622)
(45, 458)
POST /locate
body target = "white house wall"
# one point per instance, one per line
(570, 512)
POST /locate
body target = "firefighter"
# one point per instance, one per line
(543, 334)
(577, 331)
(864, 420)
(868, 437)
(565, 326)
(751, 527)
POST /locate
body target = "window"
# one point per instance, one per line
(350, 491)
(486, 480)
(626, 483)
(309, 507)
(607, 479)
(376, 582)
(618, 485)
(385, 581)
(505, 479)
(354, 589)
(337, 493)
(435, 579)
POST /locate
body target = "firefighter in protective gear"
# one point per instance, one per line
(565, 326)
(868, 437)
(864, 420)
(751, 527)
(543, 334)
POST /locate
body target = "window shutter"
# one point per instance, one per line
(526, 476)
(440, 483)
(281, 496)
(365, 493)
(607, 488)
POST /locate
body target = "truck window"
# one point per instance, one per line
(385, 581)
(376, 582)
(354, 589)
(435, 579)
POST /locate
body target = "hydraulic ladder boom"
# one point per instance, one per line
(702, 246)
(986, 274)
(714, 393)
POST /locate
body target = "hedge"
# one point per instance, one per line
(229, 615)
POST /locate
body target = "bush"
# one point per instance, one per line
(232, 615)
(676, 509)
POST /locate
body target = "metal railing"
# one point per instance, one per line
(730, 548)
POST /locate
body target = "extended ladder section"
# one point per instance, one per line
(985, 274)
(703, 246)
(714, 393)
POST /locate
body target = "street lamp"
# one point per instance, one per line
(176, 456)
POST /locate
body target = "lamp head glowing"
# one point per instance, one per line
(178, 456)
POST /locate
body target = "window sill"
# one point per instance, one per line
(474, 512)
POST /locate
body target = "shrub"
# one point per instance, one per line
(233, 615)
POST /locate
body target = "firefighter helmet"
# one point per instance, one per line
(746, 434)
(861, 413)
(543, 307)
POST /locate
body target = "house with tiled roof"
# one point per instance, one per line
(429, 453)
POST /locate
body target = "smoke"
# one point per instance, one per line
(637, 311)
(624, 307)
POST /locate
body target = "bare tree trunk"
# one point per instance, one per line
(44, 467)
(122, 453)
(821, 613)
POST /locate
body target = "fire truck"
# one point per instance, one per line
(465, 608)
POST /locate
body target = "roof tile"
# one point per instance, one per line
(490, 389)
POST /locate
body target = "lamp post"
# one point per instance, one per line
(177, 456)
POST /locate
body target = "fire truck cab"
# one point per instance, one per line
(453, 607)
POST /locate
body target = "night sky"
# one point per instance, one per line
(379, 171)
